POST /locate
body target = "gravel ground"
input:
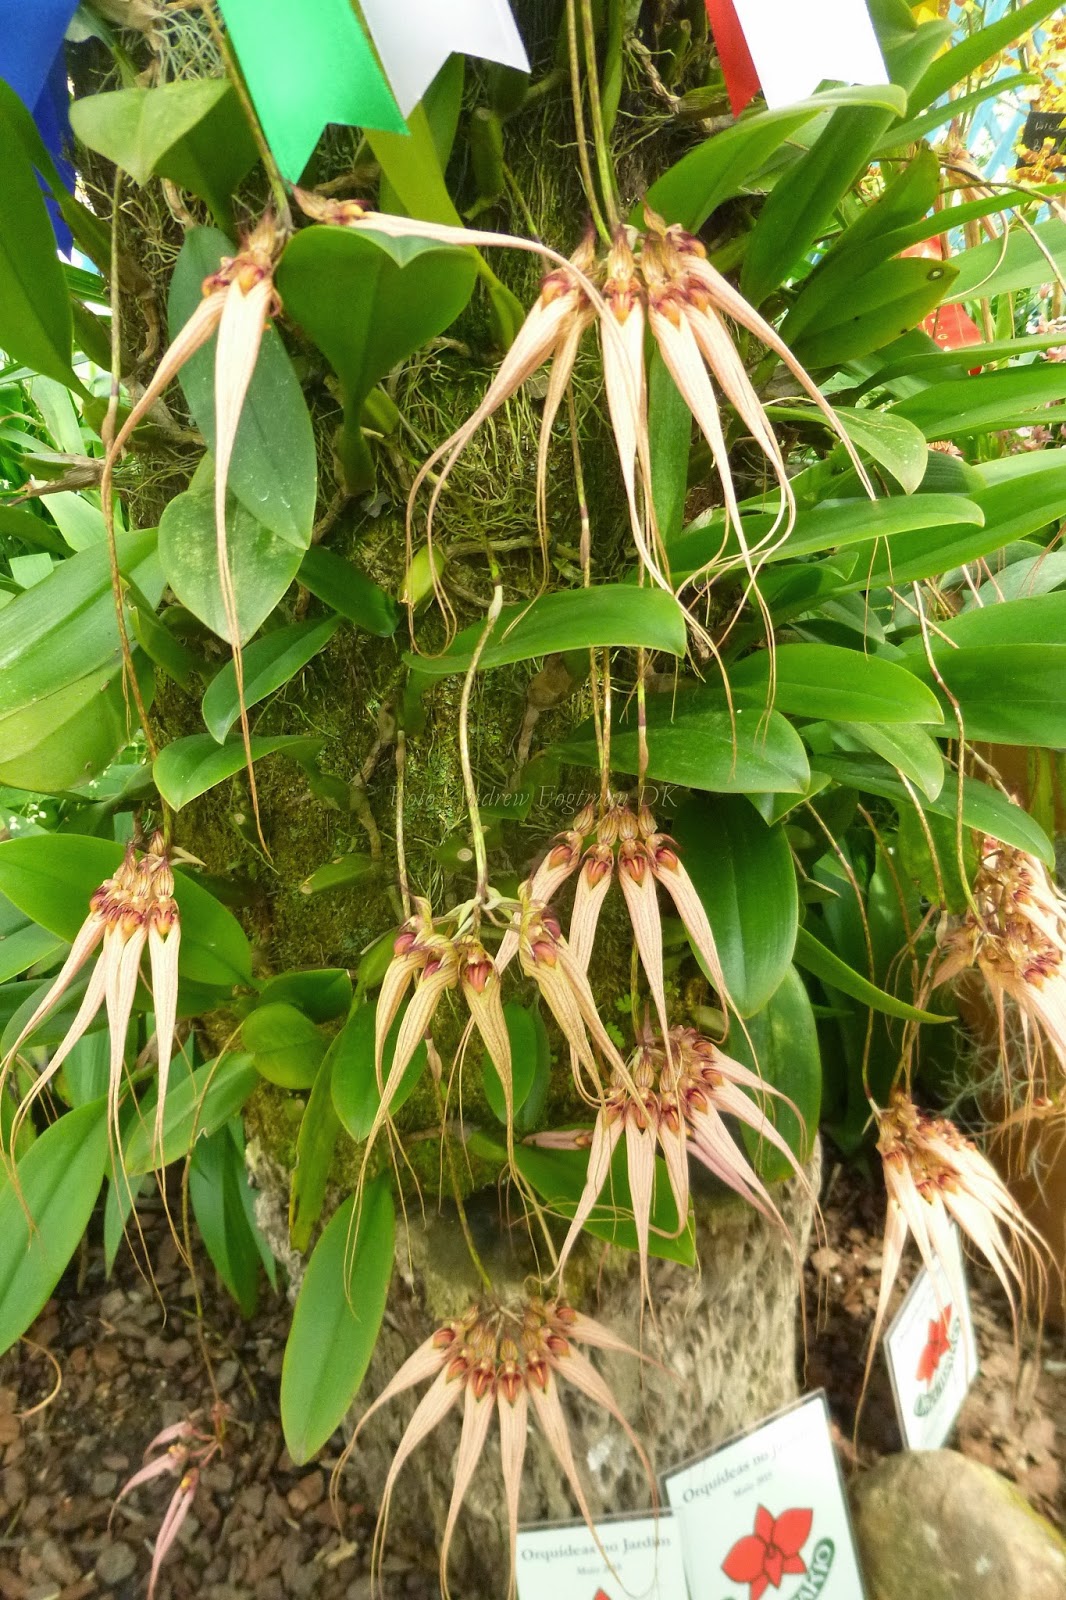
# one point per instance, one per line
(263, 1529)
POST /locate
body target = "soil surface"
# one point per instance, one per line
(262, 1529)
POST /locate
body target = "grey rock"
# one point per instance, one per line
(936, 1524)
(115, 1563)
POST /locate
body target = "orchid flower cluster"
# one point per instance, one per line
(1014, 936)
(504, 1362)
(182, 1450)
(131, 914)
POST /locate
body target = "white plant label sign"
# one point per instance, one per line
(932, 1355)
(765, 1515)
(563, 1563)
(795, 44)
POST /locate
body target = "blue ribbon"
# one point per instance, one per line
(32, 62)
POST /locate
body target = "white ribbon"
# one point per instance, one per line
(414, 39)
(795, 44)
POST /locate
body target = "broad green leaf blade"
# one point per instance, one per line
(1031, 619)
(189, 767)
(909, 749)
(43, 1217)
(522, 1032)
(826, 681)
(893, 442)
(220, 1192)
(36, 325)
(340, 585)
(355, 1088)
(989, 400)
(366, 313)
(878, 306)
(285, 1046)
(817, 958)
(570, 619)
(50, 877)
(67, 738)
(702, 747)
(191, 131)
(268, 664)
(559, 1178)
(1008, 693)
(719, 168)
(336, 1320)
(315, 1143)
(781, 1044)
(322, 992)
(196, 1106)
(983, 808)
(274, 471)
(744, 876)
(262, 563)
(991, 269)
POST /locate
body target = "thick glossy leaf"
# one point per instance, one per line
(559, 1178)
(1031, 619)
(990, 400)
(219, 1192)
(355, 1087)
(36, 325)
(22, 942)
(719, 168)
(1008, 693)
(1013, 509)
(990, 269)
(315, 1143)
(336, 1320)
(268, 663)
(910, 750)
(802, 202)
(274, 470)
(285, 1046)
(90, 232)
(51, 877)
(744, 875)
(322, 992)
(263, 563)
(522, 1032)
(834, 525)
(570, 619)
(781, 1044)
(367, 314)
(59, 1179)
(925, 362)
(189, 767)
(64, 627)
(825, 964)
(701, 747)
(65, 739)
(826, 681)
(878, 307)
(196, 1106)
(975, 49)
(983, 808)
(191, 131)
(893, 442)
(342, 586)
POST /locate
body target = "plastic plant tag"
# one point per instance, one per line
(640, 1556)
(766, 1513)
(932, 1356)
(414, 39)
(798, 44)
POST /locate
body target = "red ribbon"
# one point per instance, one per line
(741, 78)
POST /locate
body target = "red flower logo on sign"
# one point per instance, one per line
(936, 1346)
(763, 1558)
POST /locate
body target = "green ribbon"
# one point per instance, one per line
(306, 63)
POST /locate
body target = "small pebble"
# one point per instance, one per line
(103, 1484)
(115, 1563)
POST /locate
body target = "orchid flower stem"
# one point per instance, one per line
(642, 721)
(605, 764)
(266, 155)
(107, 434)
(473, 809)
(401, 851)
(599, 133)
(457, 1193)
(576, 92)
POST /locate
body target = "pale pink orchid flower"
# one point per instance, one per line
(502, 1363)
(182, 1451)
(130, 914)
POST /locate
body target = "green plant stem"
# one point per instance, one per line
(473, 809)
(599, 132)
(576, 95)
(457, 1193)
